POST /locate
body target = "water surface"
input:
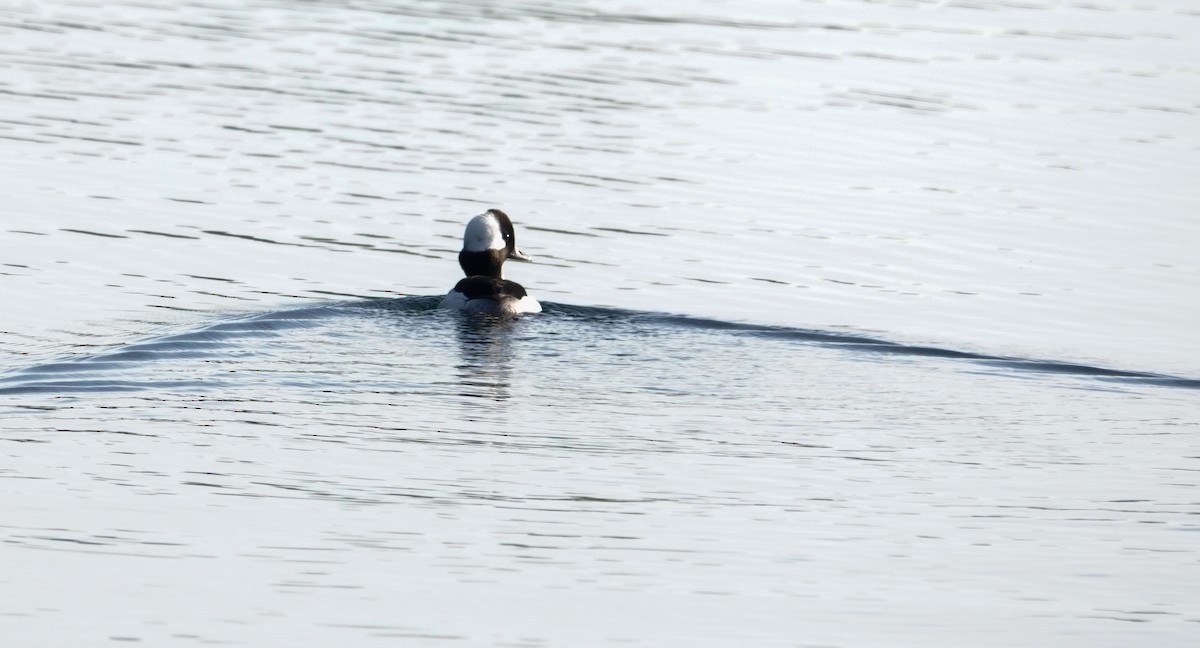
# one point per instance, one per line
(867, 324)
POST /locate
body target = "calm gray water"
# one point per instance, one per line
(867, 324)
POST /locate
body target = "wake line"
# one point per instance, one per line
(875, 345)
(111, 371)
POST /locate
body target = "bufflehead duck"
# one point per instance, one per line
(488, 241)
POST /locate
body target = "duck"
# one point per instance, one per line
(489, 241)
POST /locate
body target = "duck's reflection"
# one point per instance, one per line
(485, 348)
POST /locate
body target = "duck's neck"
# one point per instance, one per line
(488, 263)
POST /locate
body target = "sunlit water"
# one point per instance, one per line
(932, 380)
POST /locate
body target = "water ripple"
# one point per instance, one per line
(261, 343)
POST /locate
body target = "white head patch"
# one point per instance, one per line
(483, 233)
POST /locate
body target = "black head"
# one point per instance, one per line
(488, 241)
(509, 234)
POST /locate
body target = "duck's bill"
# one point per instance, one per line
(519, 255)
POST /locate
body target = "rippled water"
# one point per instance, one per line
(932, 380)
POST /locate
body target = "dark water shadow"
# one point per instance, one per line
(485, 348)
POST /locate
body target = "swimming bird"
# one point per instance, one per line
(488, 242)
